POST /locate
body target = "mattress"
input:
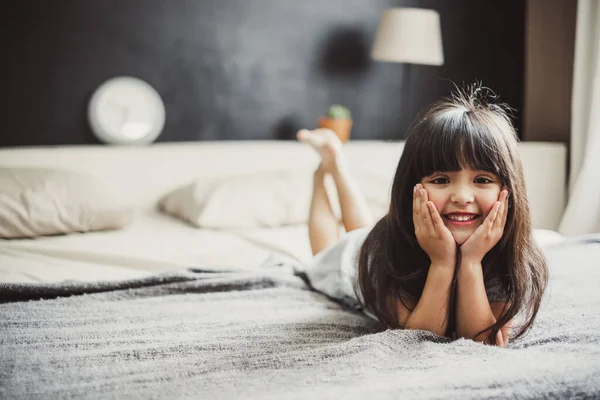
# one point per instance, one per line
(153, 243)
(156, 243)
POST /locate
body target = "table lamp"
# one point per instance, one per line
(409, 35)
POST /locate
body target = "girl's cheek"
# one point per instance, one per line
(437, 197)
(488, 207)
(439, 203)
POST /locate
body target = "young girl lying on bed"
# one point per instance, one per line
(454, 255)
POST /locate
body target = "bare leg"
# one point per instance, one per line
(323, 228)
(355, 212)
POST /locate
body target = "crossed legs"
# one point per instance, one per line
(323, 226)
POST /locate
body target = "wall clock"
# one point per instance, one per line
(126, 110)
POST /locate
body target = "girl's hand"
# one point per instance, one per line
(433, 236)
(487, 234)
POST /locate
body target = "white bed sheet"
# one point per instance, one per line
(153, 243)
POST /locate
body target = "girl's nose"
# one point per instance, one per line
(462, 196)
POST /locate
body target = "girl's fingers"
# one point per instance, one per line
(415, 207)
(426, 214)
(502, 212)
(418, 212)
(438, 223)
(492, 216)
(498, 220)
(505, 215)
(415, 196)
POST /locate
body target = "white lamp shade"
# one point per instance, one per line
(409, 35)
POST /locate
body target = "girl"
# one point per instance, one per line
(454, 255)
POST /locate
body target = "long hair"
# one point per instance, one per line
(467, 130)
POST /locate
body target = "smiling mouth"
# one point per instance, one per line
(461, 219)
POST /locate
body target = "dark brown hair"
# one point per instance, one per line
(467, 130)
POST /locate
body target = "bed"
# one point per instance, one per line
(199, 291)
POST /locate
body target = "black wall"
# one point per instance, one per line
(241, 69)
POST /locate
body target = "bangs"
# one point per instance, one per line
(458, 140)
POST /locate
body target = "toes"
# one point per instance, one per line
(321, 139)
(310, 137)
(302, 133)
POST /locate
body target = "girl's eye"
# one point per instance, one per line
(440, 181)
(483, 180)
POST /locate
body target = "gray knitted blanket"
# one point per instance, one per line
(266, 335)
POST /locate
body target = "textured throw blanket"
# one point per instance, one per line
(266, 335)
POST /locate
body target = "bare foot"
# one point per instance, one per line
(327, 144)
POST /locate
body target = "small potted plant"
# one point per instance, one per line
(339, 120)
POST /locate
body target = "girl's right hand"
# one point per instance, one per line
(433, 236)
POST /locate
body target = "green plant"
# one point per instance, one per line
(338, 111)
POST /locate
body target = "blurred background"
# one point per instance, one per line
(262, 69)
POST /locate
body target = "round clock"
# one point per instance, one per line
(126, 110)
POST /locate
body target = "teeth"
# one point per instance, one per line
(461, 217)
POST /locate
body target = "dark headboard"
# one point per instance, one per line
(241, 69)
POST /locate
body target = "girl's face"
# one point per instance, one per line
(463, 198)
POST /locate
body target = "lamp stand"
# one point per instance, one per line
(408, 98)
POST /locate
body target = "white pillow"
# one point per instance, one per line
(269, 199)
(41, 201)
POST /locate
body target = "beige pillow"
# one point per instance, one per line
(268, 199)
(41, 201)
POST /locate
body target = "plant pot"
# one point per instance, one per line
(341, 127)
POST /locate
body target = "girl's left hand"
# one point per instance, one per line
(487, 234)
